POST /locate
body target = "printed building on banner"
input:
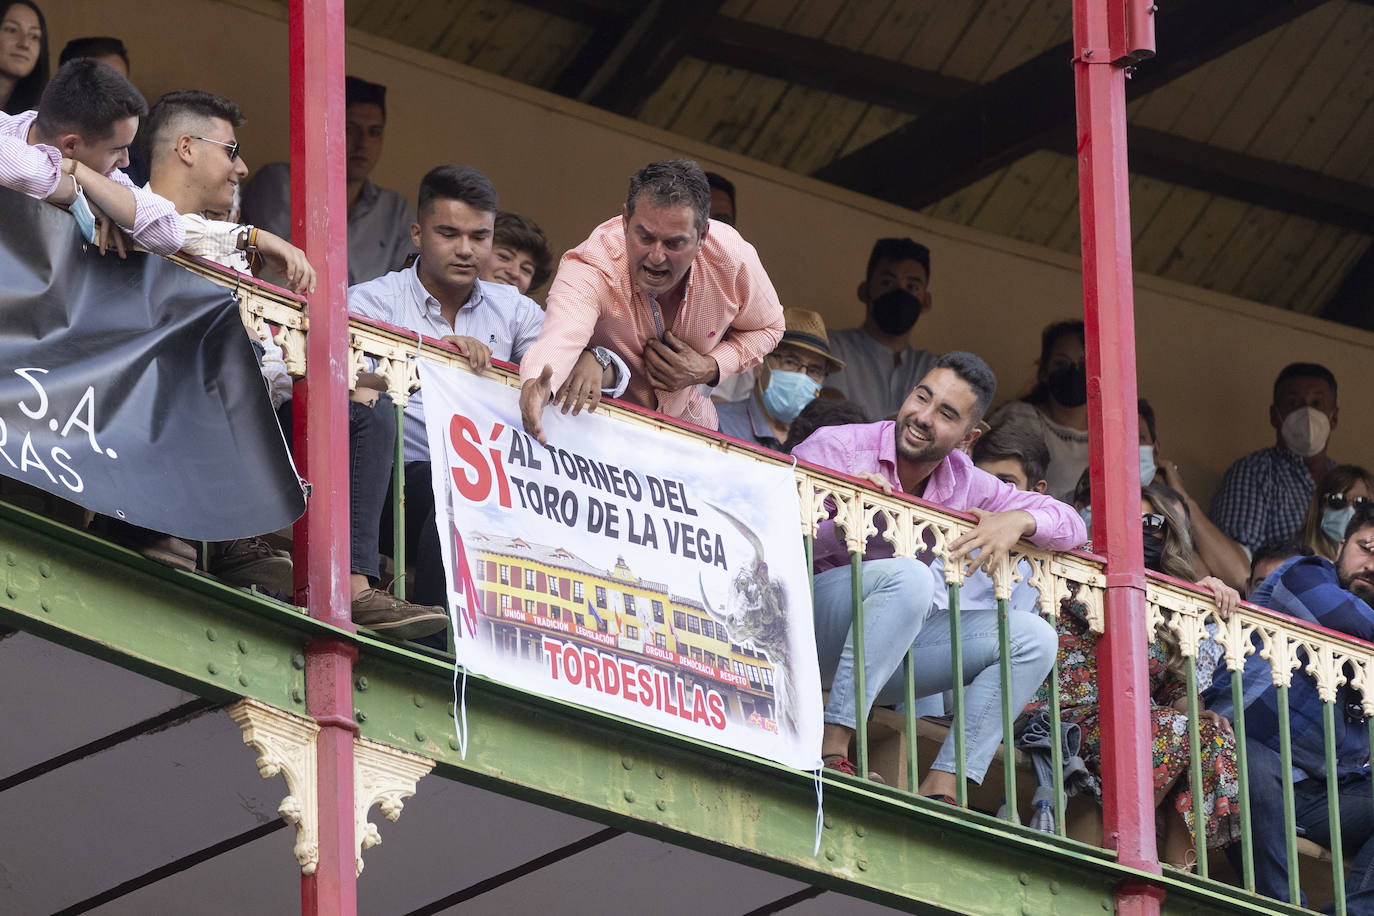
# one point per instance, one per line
(531, 590)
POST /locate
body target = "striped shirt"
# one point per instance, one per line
(729, 311)
(36, 169)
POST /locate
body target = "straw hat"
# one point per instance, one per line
(806, 331)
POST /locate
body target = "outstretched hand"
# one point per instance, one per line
(534, 394)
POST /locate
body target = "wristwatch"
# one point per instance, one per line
(603, 359)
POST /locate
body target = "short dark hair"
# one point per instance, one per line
(1363, 517)
(87, 97)
(672, 183)
(175, 107)
(1147, 413)
(1051, 335)
(94, 46)
(822, 412)
(1278, 550)
(27, 91)
(971, 368)
(523, 234)
(1303, 370)
(897, 250)
(1019, 438)
(358, 91)
(718, 182)
(459, 182)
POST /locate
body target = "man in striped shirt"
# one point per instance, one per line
(79, 139)
(682, 299)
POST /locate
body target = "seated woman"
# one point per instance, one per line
(1169, 550)
(1333, 504)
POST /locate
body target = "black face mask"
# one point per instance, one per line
(895, 311)
(1154, 552)
(1069, 385)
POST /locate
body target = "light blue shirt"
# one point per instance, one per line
(496, 314)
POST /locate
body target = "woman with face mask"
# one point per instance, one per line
(1168, 549)
(1344, 487)
(1059, 405)
(23, 56)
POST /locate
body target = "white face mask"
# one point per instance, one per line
(1305, 431)
(1147, 465)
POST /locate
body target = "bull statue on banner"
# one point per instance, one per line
(755, 613)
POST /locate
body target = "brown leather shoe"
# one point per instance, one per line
(252, 561)
(396, 618)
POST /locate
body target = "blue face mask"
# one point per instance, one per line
(1086, 513)
(1147, 465)
(1334, 522)
(787, 393)
(85, 219)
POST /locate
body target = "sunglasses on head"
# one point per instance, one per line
(1338, 501)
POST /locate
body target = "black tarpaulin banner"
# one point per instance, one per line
(130, 387)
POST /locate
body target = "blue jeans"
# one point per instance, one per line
(897, 601)
(1309, 796)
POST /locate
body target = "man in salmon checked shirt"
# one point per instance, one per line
(681, 298)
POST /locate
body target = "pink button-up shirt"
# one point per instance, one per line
(36, 169)
(729, 312)
(954, 484)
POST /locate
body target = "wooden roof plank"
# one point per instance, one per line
(1266, 85)
(511, 40)
(1055, 201)
(737, 124)
(1279, 258)
(1162, 243)
(665, 104)
(1021, 183)
(859, 20)
(719, 87)
(1245, 246)
(1339, 117)
(648, 54)
(1021, 109)
(1217, 86)
(1352, 300)
(790, 118)
(1309, 269)
(462, 38)
(939, 33)
(877, 120)
(813, 18)
(1287, 125)
(1205, 240)
(958, 207)
(988, 30)
(899, 31)
(1043, 24)
(834, 122)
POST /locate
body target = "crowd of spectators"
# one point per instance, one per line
(669, 307)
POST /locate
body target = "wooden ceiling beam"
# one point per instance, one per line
(628, 60)
(817, 65)
(970, 136)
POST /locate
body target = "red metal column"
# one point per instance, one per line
(320, 226)
(1104, 209)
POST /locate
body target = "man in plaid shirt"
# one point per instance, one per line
(1336, 596)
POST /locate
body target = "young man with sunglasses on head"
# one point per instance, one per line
(197, 164)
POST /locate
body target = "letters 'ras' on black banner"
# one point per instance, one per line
(131, 388)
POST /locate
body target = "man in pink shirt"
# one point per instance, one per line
(922, 453)
(681, 298)
(79, 139)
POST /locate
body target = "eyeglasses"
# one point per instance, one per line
(1151, 524)
(789, 363)
(1338, 501)
(233, 148)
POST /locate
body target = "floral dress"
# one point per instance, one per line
(1078, 704)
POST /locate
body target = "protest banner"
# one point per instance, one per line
(620, 568)
(129, 387)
